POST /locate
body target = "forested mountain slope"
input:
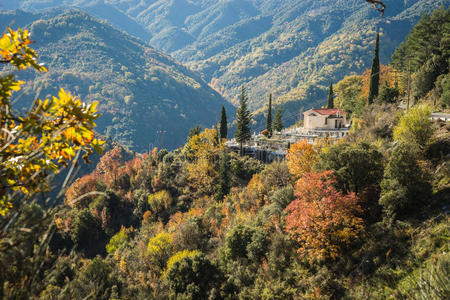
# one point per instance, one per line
(141, 91)
(290, 48)
(363, 218)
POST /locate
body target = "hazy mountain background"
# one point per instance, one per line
(146, 98)
(290, 48)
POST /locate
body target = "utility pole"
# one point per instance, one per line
(161, 137)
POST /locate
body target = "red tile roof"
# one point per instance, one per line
(329, 111)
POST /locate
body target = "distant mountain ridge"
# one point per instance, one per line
(289, 48)
(143, 94)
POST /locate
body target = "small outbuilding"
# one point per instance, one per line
(325, 118)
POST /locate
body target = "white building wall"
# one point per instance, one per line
(318, 121)
(312, 122)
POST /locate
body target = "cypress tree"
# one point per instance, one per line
(223, 124)
(223, 186)
(277, 123)
(243, 118)
(269, 117)
(330, 103)
(375, 73)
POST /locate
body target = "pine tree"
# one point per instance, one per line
(330, 103)
(375, 73)
(269, 117)
(223, 186)
(277, 123)
(243, 118)
(223, 124)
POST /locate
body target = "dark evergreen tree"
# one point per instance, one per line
(375, 72)
(356, 166)
(277, 122)
(269, 117)
(243, 118)
(193, 277)
(389, 94)
(87, 234)
(426, 39)
(405, 187)
(223, 186)
(425, 53)
(194, 131)
(330, 103)
(223, 130)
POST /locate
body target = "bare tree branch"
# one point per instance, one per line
(378, 4)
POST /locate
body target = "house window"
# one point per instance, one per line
(326, 120)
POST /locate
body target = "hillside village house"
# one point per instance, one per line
(330, 123)
(324, 118)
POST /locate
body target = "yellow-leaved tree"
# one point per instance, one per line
(34, 146)
(415, 127)
(301, 158)
(202, 151)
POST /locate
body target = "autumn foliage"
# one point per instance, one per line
(79, 188)
(203, 152)
(301, 158)
(388, 75)
(321, 219)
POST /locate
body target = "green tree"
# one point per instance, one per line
(348, 95)
(87, 233)
(425, 78)
(96, 281)
(193, 277)
(389, 94)
(426, 52)
(223, 186)
(445, 86)
(428, 37)
(404, 188)
(269, 116)
(245, 242)
(330, 103)
(375, 72)
(194, 131)
(223, 124)
(356, 166)
(415, 127)
(277, 121)
(243, 118)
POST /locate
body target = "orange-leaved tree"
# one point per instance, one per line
(323, 220)
(388, 75)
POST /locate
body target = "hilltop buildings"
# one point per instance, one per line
(324, 118)
(328, 123)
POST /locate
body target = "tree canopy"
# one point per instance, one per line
(243, 118)
(34, 146)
